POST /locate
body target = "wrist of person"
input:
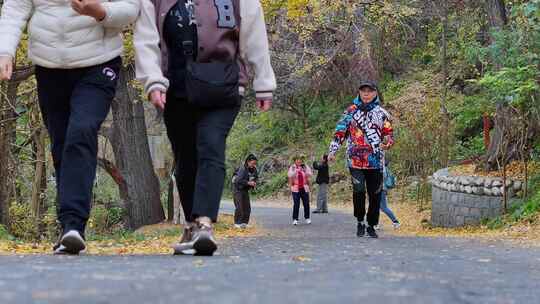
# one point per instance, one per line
(100, 14)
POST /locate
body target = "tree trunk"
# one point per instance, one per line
(7, 138)
(8, 122)
(363, 67)
(496, 11)
(444, 111)
(40, 182)
(509, 139)
(140, 190)
(497, 19)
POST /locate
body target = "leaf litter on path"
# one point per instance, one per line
(149, 240)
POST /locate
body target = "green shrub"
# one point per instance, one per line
(22, 224)
(105, 219)
(467, 149)
(50, 226)
(4, 234)
(273, 185)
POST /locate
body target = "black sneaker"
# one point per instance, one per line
(71, 242)
(317, 211)
(324, 211)
(371, 232)
(203, 237)
(361, 230)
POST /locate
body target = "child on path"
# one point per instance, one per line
(366, 127)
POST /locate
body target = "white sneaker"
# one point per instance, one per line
(70, 243)
(377, 227)
(238, 226)
(396, 225)
(244, 226)
(308, 221)
(295, 222)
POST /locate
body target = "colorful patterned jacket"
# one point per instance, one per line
(363, 150)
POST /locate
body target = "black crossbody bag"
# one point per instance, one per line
(210, 84)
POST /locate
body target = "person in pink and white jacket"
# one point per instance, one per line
(299, 175)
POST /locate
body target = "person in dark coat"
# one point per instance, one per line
(323, 179)
(244, 181)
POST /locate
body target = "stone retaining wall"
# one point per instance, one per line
(466, 200)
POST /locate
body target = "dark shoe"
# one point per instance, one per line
(371, 232)
(71, 242)
(185, 245)
(317, 211)
(203, 237)
(361, 230)
(324, 211)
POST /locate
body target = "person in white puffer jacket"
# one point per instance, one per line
(76, 47)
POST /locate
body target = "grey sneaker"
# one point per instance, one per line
(203, 237)
(185, 245)
(71, 242)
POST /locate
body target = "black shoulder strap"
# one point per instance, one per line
(188, 40)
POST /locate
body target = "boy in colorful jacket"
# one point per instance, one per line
(366, 127)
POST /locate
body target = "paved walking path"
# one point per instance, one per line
(320, 263)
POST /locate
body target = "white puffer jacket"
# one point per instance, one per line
(61, 38)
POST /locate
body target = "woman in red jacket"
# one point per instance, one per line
(299, 175)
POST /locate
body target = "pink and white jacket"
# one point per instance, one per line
(294, 180)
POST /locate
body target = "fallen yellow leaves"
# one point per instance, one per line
(414, 223)
(515, 170)
(301, 258)
(149, 240)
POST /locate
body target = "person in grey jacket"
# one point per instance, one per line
(76, 47)
(245, 180)
(323, 179)
(205, 49)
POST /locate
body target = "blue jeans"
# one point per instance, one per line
(385, 209)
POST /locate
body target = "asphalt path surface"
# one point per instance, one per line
(320, 263)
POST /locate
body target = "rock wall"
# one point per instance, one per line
(467, 200)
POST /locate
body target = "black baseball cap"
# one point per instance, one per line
(251, 157)
(368, 84)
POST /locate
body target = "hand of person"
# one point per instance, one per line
(331, 157)
(158, 99)
(264, 104)
(6, 67)
(385, 146)
(92, 8)
(252, 184)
